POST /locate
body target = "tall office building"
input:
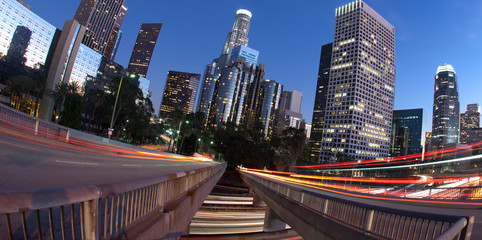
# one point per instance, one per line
(180, 93)
(207, 90)
(254, 99)
(230, 92)
(320, 101)
(239, 33)
(358, 115)
(271, 95)
(470, 131)
(406, 132)
(99, 17)
(145, 43)
(116, 35)
(445, 121)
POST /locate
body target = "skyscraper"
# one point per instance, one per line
(207, 90)
(239, 33)
(470, 131)
(180, 93)
(99, 17)
(145, 43)
(320, 100)
(116, 34)
(229, 92)
(358, 115)
(406, 132)
(445, 121)
(271, 95)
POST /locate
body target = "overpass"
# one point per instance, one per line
(327, 213)
(57, 183)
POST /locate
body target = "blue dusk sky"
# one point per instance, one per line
(289, 36)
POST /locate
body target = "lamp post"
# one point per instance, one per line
(111, 129)
(179, 132)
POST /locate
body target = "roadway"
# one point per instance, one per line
(31, 163)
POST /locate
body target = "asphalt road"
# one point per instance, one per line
(29, 163)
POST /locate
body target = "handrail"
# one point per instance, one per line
(26, 123)
(369, 219)
(109, 209)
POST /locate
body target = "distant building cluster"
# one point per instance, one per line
(82, 52)
(353, 117)
(234, 89)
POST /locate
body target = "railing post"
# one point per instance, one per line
(67, 136)
(36, 126)
(325, 206)
(369, 221)
(91, 223)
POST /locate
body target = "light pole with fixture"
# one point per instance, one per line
(111, 129)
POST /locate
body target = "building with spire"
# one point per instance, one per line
(358, 115)
(445, 118)
(239, 33)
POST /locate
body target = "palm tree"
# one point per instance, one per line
(58, 95)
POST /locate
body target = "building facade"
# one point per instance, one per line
(229, 93)
(179, 93)
(358, 116)
(99, 17)
(271, 95)
(207, 90)
(116, 35)
(239, 33)
(470, 131)
(445, 121)
(321, 96)
(290, 111)
(406, 132)
(144, 47)
(250, 54)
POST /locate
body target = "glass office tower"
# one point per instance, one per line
(445, 121)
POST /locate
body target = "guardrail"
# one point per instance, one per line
(93, 212)
(26, 123)
(371, 220)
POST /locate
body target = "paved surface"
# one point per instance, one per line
(29, 163)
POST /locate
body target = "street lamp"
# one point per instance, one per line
(111, 129)
(179, 132)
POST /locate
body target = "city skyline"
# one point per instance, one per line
(419, 47)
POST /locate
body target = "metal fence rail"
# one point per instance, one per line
(26, 123)
(93, 212)
(372, 220)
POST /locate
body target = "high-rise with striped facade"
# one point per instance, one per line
(358, 115)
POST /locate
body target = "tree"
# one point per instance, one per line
(294, 140)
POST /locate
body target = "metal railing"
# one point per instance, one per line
(93, 212)
(26, 123)
(371, 220)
